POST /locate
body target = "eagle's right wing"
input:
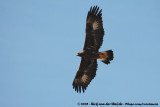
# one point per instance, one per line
(94, 29)
(85, 74)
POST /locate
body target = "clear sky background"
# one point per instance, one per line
(39, 40)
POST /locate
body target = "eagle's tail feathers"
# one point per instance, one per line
(106, 56)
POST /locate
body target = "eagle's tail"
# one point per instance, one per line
(106, 56)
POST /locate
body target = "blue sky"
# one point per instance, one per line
(39, 40)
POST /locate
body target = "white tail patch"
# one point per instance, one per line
(95, 25)
(102, 59)
(103, 55)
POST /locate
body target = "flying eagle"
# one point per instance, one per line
(90, 53)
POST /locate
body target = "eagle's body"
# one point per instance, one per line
(90, 52)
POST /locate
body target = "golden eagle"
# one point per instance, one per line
(90, 54)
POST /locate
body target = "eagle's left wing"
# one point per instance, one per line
(85, 74)
(94, 29)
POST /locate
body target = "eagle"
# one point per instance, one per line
(94, 33)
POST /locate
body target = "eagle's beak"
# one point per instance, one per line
(77, 54)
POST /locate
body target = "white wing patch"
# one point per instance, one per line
(95, 25)
(84, 78)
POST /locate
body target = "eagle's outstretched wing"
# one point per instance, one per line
(94, 29)
(85, 74)
(93, 41)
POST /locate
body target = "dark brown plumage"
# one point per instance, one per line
(90, 53)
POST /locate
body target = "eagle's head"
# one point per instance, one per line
(80, 53)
